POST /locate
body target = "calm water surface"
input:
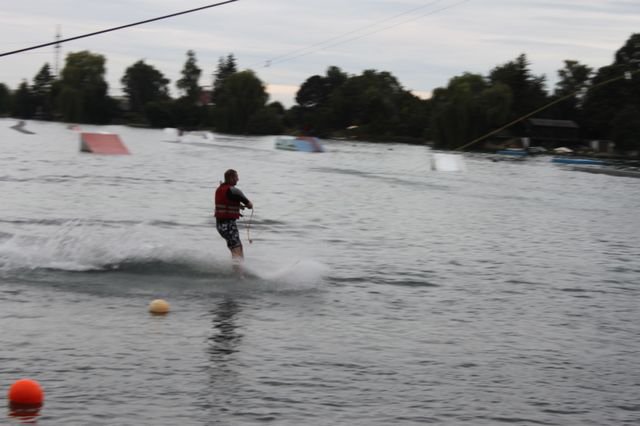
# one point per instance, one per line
(381, 292)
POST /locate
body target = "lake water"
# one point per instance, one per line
(380, 292)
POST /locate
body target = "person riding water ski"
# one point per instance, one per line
(229, 200)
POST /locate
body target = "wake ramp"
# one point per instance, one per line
(102, 143)
(19, 127)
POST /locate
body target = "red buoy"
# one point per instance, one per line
(26, 392)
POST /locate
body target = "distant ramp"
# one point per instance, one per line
(299, 143)
(19, 126)
(102, 143)
(448, 163)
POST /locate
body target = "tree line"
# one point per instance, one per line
(371, 106)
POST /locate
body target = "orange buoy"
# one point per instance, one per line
(159, 306)
(26, 392)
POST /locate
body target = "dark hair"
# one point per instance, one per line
(229, 174)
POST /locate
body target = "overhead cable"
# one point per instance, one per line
(277, 58)
(323, 45)
(117, 28)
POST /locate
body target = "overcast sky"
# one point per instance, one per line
(422, 42)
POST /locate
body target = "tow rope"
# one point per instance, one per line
(249, 228)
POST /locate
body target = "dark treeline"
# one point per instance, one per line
(372, 106)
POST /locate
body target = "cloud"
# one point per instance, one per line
(423, 43)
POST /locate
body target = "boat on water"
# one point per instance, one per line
(608, 171)
(569, 160)
(513, 152)
(510, 154)
(176, 135)
(299, 143)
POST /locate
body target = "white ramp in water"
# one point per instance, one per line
(448, 163)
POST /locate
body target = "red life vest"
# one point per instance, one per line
(226, 208)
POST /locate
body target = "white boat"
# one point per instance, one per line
(573, 160)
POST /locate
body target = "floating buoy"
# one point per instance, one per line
(26, 392)
(159, 306)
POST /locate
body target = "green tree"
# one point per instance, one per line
(42, 91)
(241, 96)
(495, 104)
(413, 116)
(188, 84)
(315, 91)
(335, 77)
(610, 92)
(312, 93)
(70, 103)
(315, 111)
(629, 54)
(160, 113)
(277, 107)
(370, 101)
(626, 129)
(375, 102)
(187, 114)
(142, 83)
(226, 67)
(468, 108)
(376, 107)
(5, 99)
(574, 78)
(528, 91)
(83, 89)
(627, 60)
(455, 110)
(23, 105)
(265, 121)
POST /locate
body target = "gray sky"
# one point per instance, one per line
(422, 42)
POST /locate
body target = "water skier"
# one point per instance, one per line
(229, 200)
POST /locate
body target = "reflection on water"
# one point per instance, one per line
(24, 414)
(225, 339)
